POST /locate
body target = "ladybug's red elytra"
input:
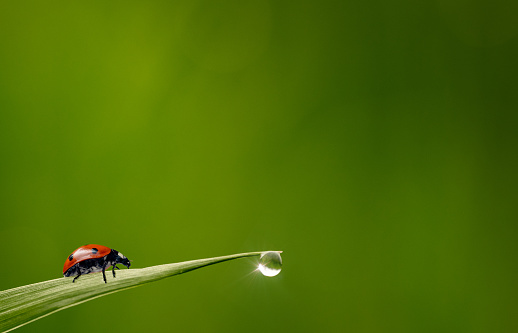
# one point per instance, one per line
(93, 258)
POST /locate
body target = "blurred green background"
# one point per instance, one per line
(374, 142)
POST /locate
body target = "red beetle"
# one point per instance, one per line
(93, 258)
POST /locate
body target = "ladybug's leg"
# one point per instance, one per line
(77, 277)
(104, 274)
(113, 269)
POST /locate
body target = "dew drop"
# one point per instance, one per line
(270, 263)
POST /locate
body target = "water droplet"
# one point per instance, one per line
(270, 263)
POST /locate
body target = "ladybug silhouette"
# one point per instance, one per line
(93, 258)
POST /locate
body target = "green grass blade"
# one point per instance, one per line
(22, 305)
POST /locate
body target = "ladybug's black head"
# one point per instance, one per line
(121, 259)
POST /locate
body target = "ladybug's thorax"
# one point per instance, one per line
(121, 259)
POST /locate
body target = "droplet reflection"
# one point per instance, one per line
(270, 263)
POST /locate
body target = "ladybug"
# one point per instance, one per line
(93, 258)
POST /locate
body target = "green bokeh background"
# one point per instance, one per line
(374, 142)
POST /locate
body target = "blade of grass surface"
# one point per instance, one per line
(22, 305)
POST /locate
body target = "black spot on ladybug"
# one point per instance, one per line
(94, 250)
(71, 257)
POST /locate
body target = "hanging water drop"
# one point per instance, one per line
(270, 263)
